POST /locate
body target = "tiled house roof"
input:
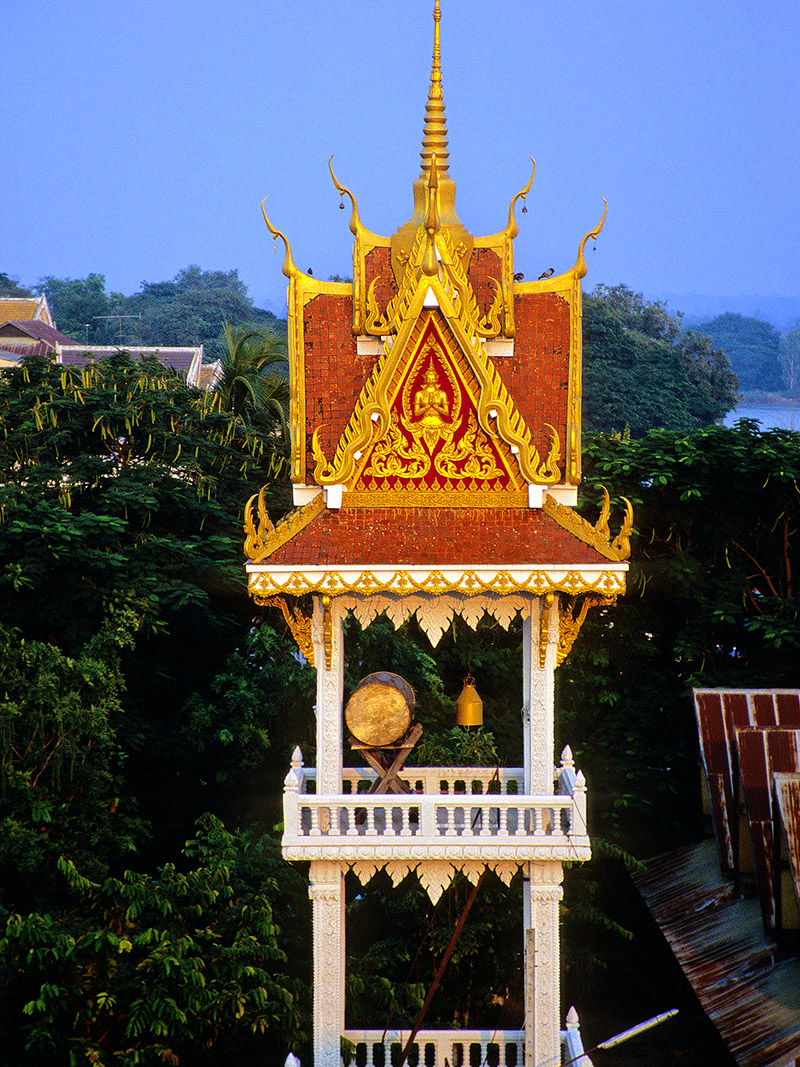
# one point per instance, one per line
(21, 333)
(186, 361)
(25, 308)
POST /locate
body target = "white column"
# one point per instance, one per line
(542, 971)
(328, 640)
(326, 891)
(538, 695)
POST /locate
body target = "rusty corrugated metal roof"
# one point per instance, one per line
(761, 752)
(749, 993)
(719, 712)
(787, 794)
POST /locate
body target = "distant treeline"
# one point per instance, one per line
(643, 369)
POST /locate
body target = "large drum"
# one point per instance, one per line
(379, 711)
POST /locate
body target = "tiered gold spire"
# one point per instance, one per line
(434, 136)
(434, 145)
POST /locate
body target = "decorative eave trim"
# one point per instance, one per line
(267, 581)
(349, 852)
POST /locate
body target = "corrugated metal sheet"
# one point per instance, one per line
(787, 792)
(761, 752)
(751, 996)
(719, 712)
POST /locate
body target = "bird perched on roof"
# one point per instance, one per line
(548, 273)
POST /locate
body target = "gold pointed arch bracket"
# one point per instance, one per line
(300, 625)
(572, 612)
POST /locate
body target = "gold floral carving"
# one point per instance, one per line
(471, 457)
(394, 457)
(569, 624)
(262, 537)
(327, 630)
(297, 622)
(598, 536)
(367, 582)
(544, 628)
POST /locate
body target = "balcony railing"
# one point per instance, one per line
(456, 811)
(437, 1048)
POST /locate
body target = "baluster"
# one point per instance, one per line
(521, 829)
(450, 821)
(352, 828)
(405, 822)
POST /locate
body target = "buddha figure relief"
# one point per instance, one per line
(431, 406)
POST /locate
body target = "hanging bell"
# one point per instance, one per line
(469, 706)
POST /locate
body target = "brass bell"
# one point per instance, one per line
(469, 706)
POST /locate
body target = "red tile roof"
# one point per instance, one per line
(537, 375)
(37, 329)
(438, 537)
(180, 359)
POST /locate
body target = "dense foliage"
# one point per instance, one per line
(140, 691)
(753, 347)
(124, 695)
(643, 371)
(712, 601)
(149, 969)
(190, 309)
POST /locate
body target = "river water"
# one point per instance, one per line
(771, 416)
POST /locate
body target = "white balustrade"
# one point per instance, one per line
(420, 816)
(447, 806)
(437, 1048)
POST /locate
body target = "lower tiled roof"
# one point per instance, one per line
(436, 537)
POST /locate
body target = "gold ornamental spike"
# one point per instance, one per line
(434, 145)
(434, 136)
(430, 263)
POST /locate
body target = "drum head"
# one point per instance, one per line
(379, 711)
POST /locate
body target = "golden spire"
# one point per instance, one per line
(434, 144)
(434, 136)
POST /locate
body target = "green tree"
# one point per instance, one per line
(193, 308)
(712, 600)
(255, 375)
(80, 307)
(153, 969)
(790, 360)
(121, 490)
(11, 287)
(643, 371)
(60, 764)
(753, 347)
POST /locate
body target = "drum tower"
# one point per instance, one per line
(436, 431)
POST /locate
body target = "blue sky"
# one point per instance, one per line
(142, 137)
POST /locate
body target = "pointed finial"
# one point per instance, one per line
(434, 136)
(434, 146)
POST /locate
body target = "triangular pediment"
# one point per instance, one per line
(434, 442)
(435, 417)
